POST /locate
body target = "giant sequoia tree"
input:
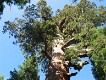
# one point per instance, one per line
(61, 41)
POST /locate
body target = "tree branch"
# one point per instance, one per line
(77, 66)
(73, 74)
(61, 24)
(85, 53)
(45, 51)
(46, 54)
(68, 43)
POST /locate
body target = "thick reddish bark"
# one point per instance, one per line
(57, 70)
(55, 74)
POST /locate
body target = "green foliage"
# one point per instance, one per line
(80, 19)
(19, 3)
(14, 75)
(34, 30)
(73, 53)
(99, 54)
(1, 77)
(28, 71)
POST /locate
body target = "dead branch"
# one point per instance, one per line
(68, 43)
(78, 66)
(85, 53)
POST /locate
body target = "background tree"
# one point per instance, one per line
(28, 71)
(1, 78)
(99, 59)
(19, 3)
(61, 41)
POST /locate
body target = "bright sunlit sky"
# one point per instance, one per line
(11, 55)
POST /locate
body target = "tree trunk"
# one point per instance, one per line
(57, 69)
(55, 74)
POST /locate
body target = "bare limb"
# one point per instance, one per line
(81, 55)
(68, 43)
(78, 66)
(85, 53)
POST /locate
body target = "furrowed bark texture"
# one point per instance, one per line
(57, 70)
